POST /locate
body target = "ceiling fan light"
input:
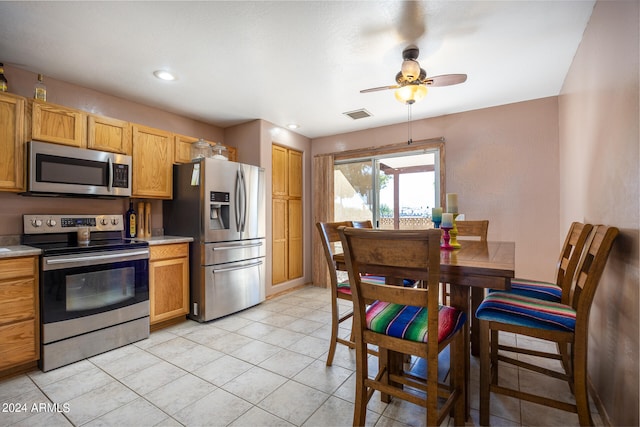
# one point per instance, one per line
(410, 69)
(411, 93)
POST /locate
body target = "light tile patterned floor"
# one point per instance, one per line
(264, 366)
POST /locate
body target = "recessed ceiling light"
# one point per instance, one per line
(164, 75)
(293, 126)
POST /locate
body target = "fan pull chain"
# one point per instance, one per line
(409, 139)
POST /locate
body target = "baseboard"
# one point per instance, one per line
(599, 405)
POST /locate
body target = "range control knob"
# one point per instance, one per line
(36, 222)
(51, 222)
(104, 221)
(114, 221)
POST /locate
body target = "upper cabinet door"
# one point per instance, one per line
(280, 175)
(58, 124)
(182, 148)
(12, 138)
(295, 173)
(107, 134)
(152, 158)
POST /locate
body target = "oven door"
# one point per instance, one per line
(79, 285)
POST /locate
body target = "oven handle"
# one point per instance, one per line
(95, 259)
(241, 267)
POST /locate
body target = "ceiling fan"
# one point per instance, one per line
(412, 81)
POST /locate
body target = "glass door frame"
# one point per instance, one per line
(398, 151)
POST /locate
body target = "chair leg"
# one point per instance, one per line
(458, 379)
(335, 323)
(580, 386)
(387, 363)
(485, 373)
(362, 372)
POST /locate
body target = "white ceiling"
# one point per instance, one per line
(297, 61)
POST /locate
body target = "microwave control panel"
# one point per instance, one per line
(120, 175)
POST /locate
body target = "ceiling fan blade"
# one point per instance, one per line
(375, 89)
(446, 80)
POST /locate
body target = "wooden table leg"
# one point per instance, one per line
(477, 295)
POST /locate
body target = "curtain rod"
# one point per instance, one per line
(404, 145)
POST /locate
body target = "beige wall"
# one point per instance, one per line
(502, 162)
(58, 92)
(599, 182)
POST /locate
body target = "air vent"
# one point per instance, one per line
(358, 114)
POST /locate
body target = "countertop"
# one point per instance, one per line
(14, 251)
(18, 251)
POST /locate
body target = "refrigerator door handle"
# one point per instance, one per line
(236, 201)
(244, 200)
(242, 267)
(226, 248)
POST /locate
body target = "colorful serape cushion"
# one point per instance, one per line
(410, 322)
(507, 307)
(407, 283)
(345, 287)
(536, 289)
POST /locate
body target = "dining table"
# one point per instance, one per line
(470, 270)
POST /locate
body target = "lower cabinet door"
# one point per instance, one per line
(169, 289)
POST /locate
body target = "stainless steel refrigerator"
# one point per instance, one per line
(221, 204)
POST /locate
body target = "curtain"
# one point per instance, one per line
(322, 212)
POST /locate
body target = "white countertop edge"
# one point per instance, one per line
(18, 251)
(165, 240)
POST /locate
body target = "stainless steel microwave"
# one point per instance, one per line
(59, 169)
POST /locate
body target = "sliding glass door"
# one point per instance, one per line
(395, 191)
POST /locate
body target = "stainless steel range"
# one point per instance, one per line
(94, 295)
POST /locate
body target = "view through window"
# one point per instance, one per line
(394, 191)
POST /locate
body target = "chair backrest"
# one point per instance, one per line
(589, 271)
(393, 254)
(362, 224)
(473, 229)
(330, 240)
(570, 255)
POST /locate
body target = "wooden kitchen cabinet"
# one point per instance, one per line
(19, 317)
(12, 142)
(152, 157)
(58, 124)
(287, 216)
(168, 282)
(107, 134)
(182, 149)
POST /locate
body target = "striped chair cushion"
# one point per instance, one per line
(410, 322)
(507, 307)
(345, 287)
(535, 289)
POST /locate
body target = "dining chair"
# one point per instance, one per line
(564, 323)
(340, 290)
(569, 257)
(362, 224)
(475, 228)
(399, 320)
